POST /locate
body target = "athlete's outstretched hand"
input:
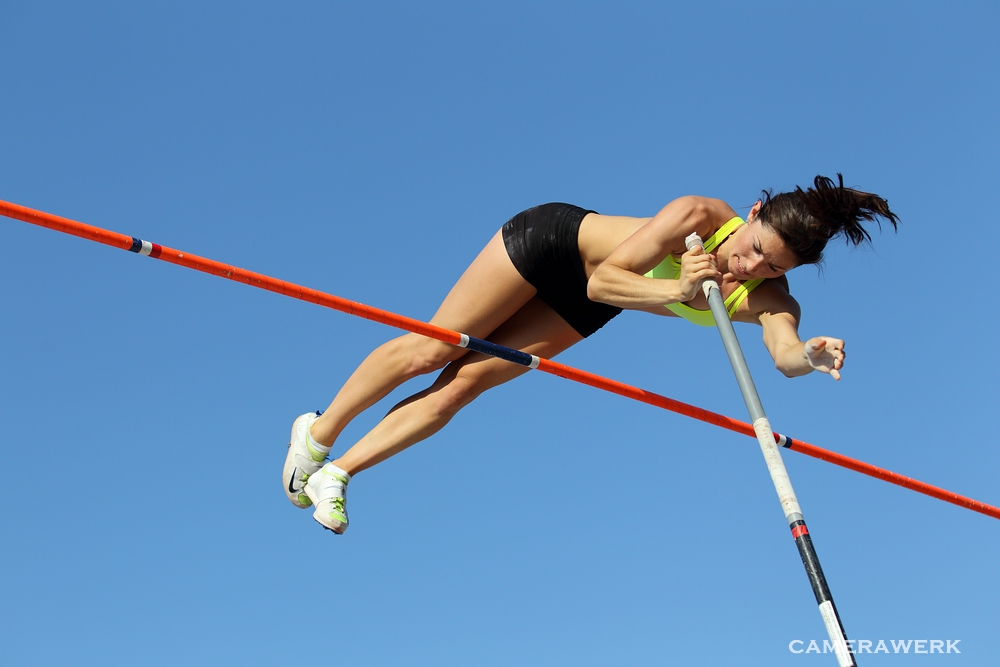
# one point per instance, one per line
(825, 354)
(696, 265)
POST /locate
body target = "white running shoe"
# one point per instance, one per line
(301, 460)
(327, 490)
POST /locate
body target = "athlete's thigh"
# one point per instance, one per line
(489, 292)
(535, 328)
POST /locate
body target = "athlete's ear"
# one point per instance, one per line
(755, 210)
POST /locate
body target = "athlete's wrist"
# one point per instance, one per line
(675, 293)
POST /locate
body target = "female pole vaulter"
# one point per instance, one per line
(554, 275)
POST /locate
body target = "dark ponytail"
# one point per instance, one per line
(807, 219)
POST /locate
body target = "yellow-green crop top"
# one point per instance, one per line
(670, 268)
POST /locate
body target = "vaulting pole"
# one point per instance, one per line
(775, 466)
(261, 281)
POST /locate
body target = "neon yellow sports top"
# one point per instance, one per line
(670, 269)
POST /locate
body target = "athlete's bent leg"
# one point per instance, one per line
(535, 329)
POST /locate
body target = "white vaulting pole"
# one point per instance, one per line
(775, 466)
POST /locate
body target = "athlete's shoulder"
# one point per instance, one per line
(692, 213)
(703, 206)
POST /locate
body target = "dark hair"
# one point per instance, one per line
(807, 219)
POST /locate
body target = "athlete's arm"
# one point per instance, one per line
(778, 314)
(620, 281)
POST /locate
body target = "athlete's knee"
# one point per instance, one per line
(425, 355)
(467, 382)
(458, 392)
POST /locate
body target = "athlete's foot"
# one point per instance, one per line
(327, 490)
(303, 459)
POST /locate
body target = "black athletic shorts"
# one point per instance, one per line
(542, 243)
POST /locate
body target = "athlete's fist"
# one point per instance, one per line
(696, 266)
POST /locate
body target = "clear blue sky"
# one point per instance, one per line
(370, 150)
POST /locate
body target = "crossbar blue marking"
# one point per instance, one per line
(494, 350)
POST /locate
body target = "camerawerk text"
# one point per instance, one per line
(879, 646)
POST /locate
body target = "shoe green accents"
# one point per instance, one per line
(338, 511)
(316, 456)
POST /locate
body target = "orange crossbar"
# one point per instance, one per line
(261, 281)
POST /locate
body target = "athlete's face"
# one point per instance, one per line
(757, 251)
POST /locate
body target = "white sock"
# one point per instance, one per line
(329, 467)
(315, 445)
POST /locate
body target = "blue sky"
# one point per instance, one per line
(370, 150)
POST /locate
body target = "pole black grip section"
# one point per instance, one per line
(810, 561)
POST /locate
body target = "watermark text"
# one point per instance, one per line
(879, 646)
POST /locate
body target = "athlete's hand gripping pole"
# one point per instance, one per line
(772, 456)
